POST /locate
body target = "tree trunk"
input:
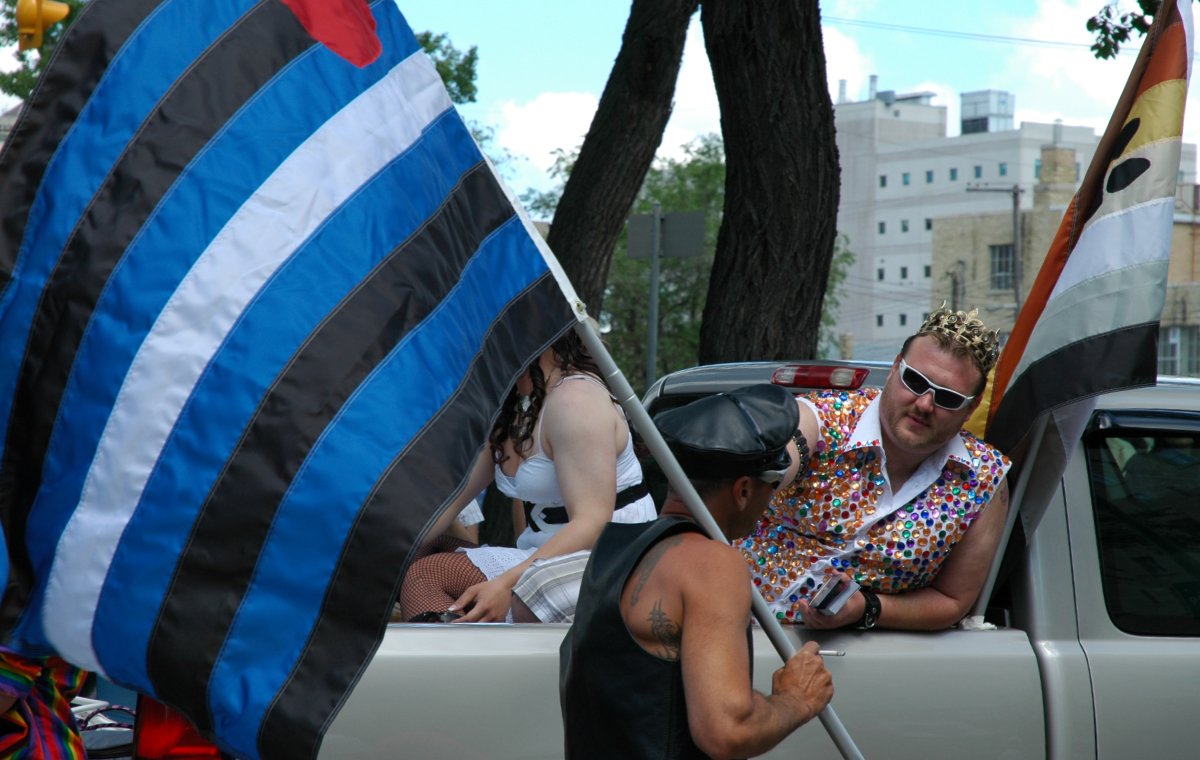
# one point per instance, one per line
(621, 142)
(781, 184)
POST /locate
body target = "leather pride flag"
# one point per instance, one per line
(262, 297)
(1090, 323)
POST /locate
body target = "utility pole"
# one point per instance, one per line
(652, 327)
(958, 285)
(1017, 267)
(679, 234)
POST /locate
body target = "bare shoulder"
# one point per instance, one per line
(809, 425)
(583, 393)
(690, 559)
(714, 569)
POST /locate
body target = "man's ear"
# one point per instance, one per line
(741, 492)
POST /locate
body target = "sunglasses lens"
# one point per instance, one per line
(949, 399)
(914, 381)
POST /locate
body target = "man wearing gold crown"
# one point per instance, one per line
(900, 498)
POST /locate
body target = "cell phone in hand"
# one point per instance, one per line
(832, 595)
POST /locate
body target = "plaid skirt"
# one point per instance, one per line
(550, 587)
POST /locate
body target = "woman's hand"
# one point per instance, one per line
(491, 601)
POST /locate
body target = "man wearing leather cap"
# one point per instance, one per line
(658, 662)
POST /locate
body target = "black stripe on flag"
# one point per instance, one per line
(62, 90)
(218, 562)
(1124, 358)
(402, 507)
(259, 45)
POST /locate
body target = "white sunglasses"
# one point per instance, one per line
(919, 385)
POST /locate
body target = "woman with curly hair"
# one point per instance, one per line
(564, 448)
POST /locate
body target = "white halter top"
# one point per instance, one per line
(536, 479)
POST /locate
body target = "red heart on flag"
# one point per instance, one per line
(344, 26)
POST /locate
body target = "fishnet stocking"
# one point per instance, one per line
(437, 577)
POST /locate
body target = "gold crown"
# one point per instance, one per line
(984, 344)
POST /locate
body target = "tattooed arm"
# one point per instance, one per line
(689, 600)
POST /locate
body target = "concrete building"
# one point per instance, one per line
(901, 173)
(973, 265)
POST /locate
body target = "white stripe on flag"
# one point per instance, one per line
(1133, 236)
(314, 181)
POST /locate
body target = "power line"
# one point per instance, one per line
(953, 34)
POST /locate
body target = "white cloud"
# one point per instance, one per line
(845, 60)
(696, 111)
(551, 120)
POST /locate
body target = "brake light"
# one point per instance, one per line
(816, 376)
(163, 734)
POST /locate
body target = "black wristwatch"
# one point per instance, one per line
(870, 614)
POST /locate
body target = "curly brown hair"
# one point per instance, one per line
(572, 358)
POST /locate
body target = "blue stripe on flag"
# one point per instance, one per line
(202, 201)
(167, 42)
(296, 565)
(269, 332)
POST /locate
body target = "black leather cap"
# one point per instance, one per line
(729, 435)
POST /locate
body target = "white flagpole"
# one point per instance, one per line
(1014, 507)
(679, 481)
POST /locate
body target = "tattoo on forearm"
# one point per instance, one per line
(1004, 495)
(648, 563)
(667, 631)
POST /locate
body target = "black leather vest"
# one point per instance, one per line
(618, 700)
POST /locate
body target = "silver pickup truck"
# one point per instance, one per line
(1096, 654)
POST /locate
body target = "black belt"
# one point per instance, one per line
(558, 515)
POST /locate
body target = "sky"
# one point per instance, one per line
(543, 64)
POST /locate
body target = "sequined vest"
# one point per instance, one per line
(833, 519)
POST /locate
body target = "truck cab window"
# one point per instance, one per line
(1146, 501)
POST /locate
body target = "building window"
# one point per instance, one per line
(1037, 168)
(954, 175)
(879, 273)
(903, 273)
(896, 113)
(978, 172)
(1003, 169)
(929, 177)
(925, 316)
(904, 178)
(879, 320)
(1181, 175)
(929, 224)
(1076, 171)
(928, 274)
(1179, 351)
(904, 225)
(883, 180)
(1002, 266)
(882, 227)
(903, 320)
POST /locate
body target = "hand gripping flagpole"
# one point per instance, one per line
(679, 481)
